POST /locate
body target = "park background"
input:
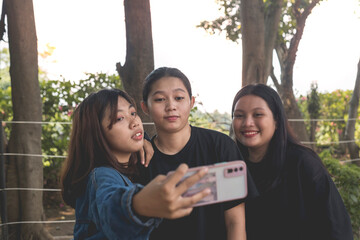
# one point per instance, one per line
(89, 36)
(80, 42)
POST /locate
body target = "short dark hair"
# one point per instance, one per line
(164, 72)
(88, 147)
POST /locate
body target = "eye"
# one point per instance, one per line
(134, 113)
(119, 119)
(238, 115)
(179, 98)
(258, 114)
(159, 99)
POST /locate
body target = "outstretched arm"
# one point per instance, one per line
(162, 196)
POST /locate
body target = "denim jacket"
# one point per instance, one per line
(105, 210)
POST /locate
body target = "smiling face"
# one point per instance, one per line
(126, 134)
(169, 105)
(253, 124)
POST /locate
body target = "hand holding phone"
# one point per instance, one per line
(227, 181)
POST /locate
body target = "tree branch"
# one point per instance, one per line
(2, 21)
(274, 79)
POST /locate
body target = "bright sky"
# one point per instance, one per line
(89, 36)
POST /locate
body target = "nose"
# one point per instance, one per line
(170, 105)
(134, 122)
(248, 121)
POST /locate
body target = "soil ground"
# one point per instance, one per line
(60, 231)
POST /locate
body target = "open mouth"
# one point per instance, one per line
(137, 136)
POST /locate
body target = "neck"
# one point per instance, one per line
(123, 158)
(256, 156)
(172, 143)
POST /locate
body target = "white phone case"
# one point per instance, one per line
(227, 181)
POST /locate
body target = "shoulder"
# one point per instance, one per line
(103, 175)
(305, 161)
(217, 143)
(99, 171)
(205, 133)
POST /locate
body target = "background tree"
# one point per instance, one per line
(24, 171)
(293, 24)
(139, 60)
(313, 108)
(259, 27)
(353, 113)
(266, 26)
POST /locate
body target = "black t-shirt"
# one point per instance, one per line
(304, 205)
(204, 147)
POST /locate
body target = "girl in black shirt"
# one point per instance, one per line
(298, 199)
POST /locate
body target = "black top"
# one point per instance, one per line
(204, 147)
(304, 205)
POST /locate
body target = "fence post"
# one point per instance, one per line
(4, 228)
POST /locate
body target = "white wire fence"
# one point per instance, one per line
(4, 189)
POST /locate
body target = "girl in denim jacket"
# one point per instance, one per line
(107, 135)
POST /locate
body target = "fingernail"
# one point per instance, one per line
(207, 190)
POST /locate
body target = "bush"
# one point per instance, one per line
(347, 180)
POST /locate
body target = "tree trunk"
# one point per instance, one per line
(293, 112)
(287, 57)
(253, 41)
(259, 34)
(25, 172)
(272, 22)
(139, 53)
(353, 113)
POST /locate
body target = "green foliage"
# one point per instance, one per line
(5, 88)
(60, 98)
(334, 108)
(215, 120)
(230, 23)
(6, 107)
(313, 105)
(347, 180)
(4, 68)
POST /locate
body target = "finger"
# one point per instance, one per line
(148, 157)
(175, 177)
(180, 213)
(149, 152)
(190, 201)
(159, 178)
(188, 182)
(142, 156)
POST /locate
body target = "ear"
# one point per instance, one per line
(192, 101)
(144, 108)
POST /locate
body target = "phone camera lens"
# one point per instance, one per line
(235, 169)
(229, 170)
(241, 168)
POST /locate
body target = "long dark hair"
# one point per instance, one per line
(88, 147)
(275, 156)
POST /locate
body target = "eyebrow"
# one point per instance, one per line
(175, 90)
(258, 108)
(121, 110)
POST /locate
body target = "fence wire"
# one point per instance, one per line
(62, 157)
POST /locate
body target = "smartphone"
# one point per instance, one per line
(227, 181)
